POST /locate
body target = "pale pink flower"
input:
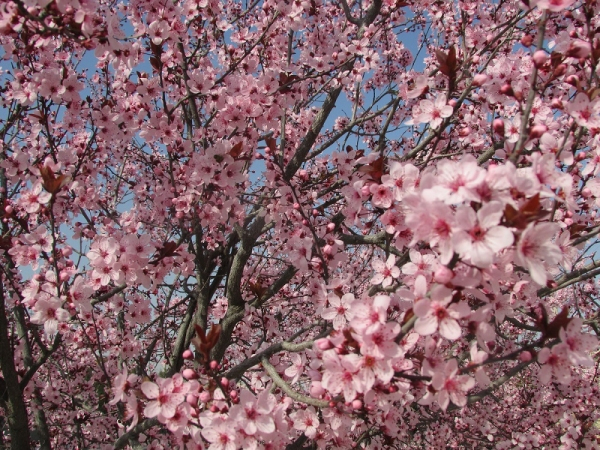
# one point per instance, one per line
(479, 236)
(554, 362)
(585, 112)
(432, 113)
(552, 5)
(49, 312)
(436, 313)
(386, 272)
(578, 345)
(380, 342)
(370, 314)
(33, 199)
(221, 435)
(252, 414)
(455, 181)
(297, 367)
(123, 382)
(339, 310)
(339, 374)
(165, 396)
(382, 196)
(535, 247)
(306, 421)
(451, 386)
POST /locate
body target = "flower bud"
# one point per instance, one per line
(479, 79)
(537, 131)
(357, 404)
(187, 354)
(324, 344)
(204, 397)
(525, 356)
(189, 374)
(507, 89)
(443, 275)
(225, 382)
(498, 126)
(539, 58)
(527, 40)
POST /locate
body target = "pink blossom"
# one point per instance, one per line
(252, 414)
(552, 5)
(306, 421)
(432, 113)
(479, 236)
(578, 345)
(165, 395)
(535, 248)
(386, 272)
(49, 312)
(555, 362)
(221, 435)
(437, 312)
(121, 386)
(451, 386)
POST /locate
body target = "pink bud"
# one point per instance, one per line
(498, 126)
(579, 49)
(225, 382)
(537, 131)
(64, 276)
(581, 156)
(464, 132)
(527, 40)
(443, 275)
(189, 374)
(586, 192)
(214, 409)
(316, 390)
(568, 222)
(205, 397)
(213, 365)
(8, 209)
(315, 213)
(365, 190)
(573, 80)
(557, 103)
(560, 70)
(296, 206)
(525, 356)
(305, 222)
(233, 394)
(330, 227)
(324, 344)
(479, 79)
(452, 102)
(539, 58)
(507, 89)
(187, 354)
(475, 59)
(191, 399)
(357, 404)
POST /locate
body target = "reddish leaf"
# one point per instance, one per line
(272, 144)
(236, 150)
(50, 182)
(530, 211)
(375, 169)
(561, 320)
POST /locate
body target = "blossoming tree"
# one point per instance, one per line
(299, 224)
